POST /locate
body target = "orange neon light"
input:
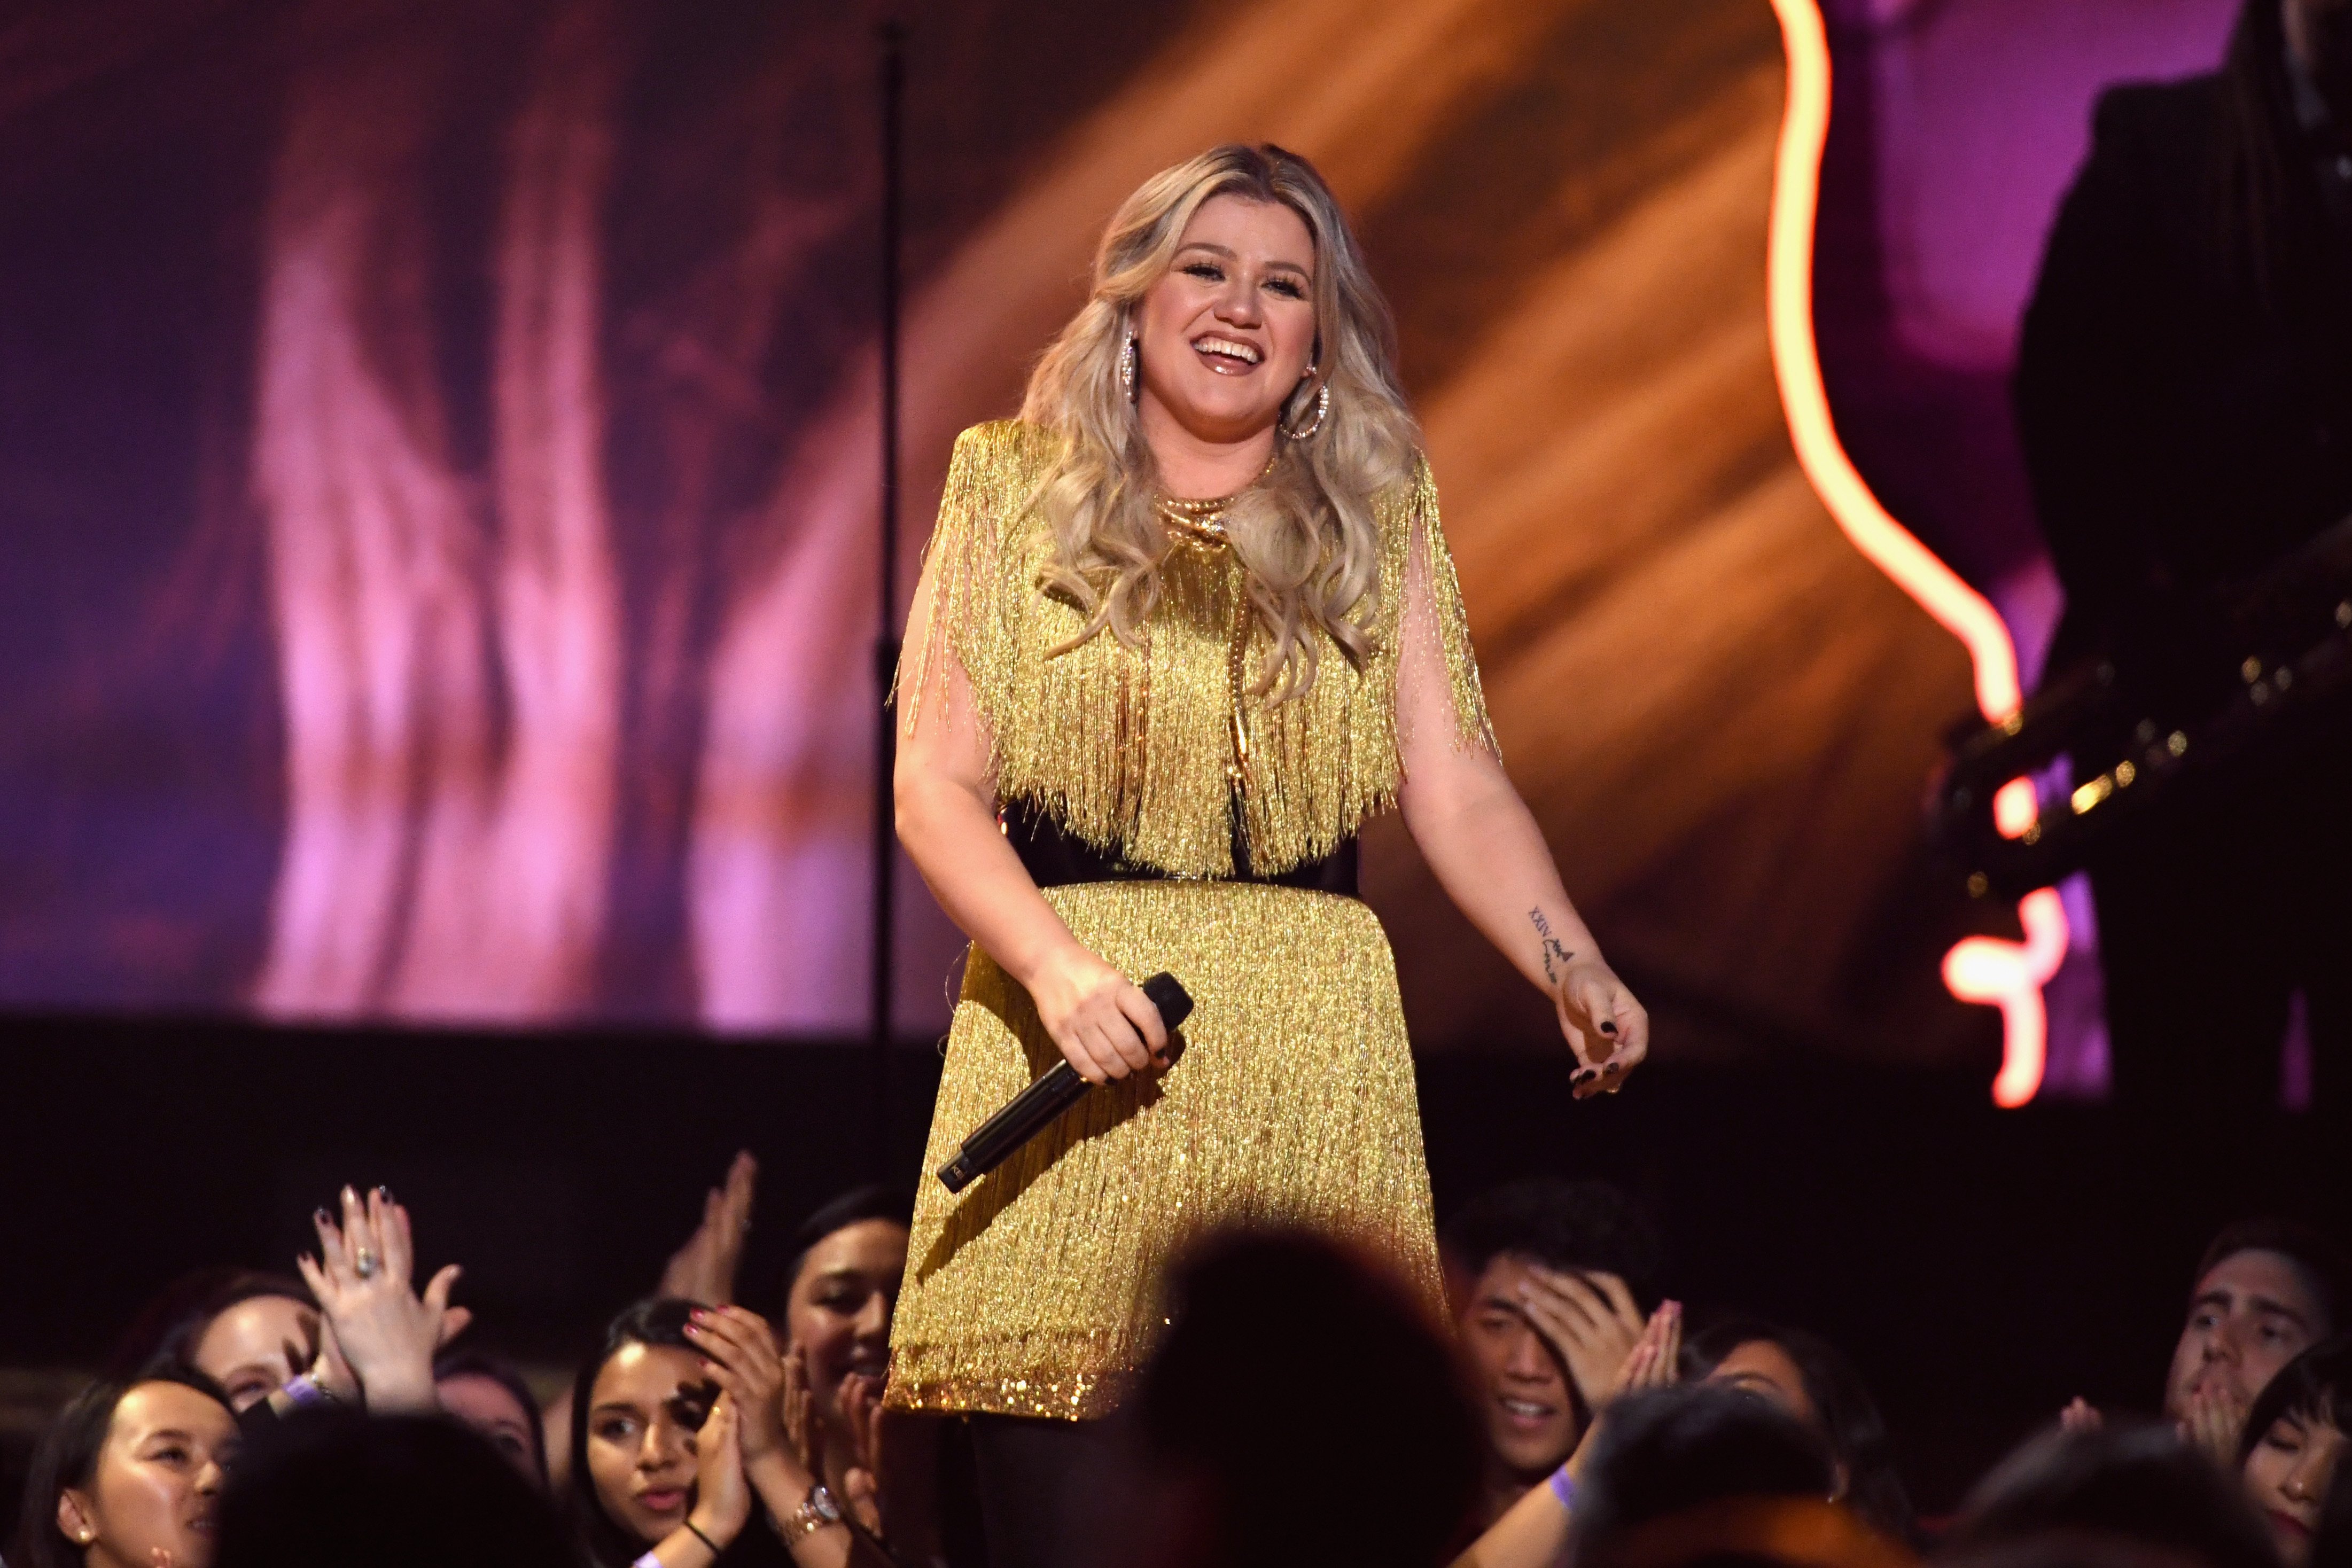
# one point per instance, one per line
(1985, 969)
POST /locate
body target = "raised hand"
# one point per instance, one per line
(1588, 1320)
(722, 1494)
(2081, 1416)
(1100, 1020)
(1603, 1025)
(861, 1412)
(2214, 1421)
(704, 1269)
(800, 1408)
(1654, 1362)
(740, 1349)
(382, 1328)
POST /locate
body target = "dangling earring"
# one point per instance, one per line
(1322, 412)
(1129, 359)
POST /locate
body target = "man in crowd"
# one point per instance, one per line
(1548, 1280)
(2267, 1290)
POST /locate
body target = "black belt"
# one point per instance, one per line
(1055, 859)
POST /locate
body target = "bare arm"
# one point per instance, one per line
(1489, 855)
(946, 804)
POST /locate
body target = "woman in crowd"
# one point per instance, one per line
(129, 1475)
(1812, 1380)
(2294, 1442)
(488, 1394)
(252, 1334)
(679, 1453)
(1182, 629)
(841, 1288)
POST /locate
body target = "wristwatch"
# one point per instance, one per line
(811, 1516)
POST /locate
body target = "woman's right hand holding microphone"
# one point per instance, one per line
(1103, 1023)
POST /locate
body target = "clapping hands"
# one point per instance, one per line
(372, 1315)
(704, 1269)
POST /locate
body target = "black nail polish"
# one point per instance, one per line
(1583, 1076)
(385, 1193)
(319, 1216)
(1608, 1028)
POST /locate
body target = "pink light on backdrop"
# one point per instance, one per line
(450, 678)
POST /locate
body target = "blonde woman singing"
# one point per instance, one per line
(1182, 628)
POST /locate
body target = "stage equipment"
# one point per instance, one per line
(2189, 695)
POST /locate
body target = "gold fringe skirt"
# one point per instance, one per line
(1033, 1292)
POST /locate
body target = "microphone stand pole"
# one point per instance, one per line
(882, 974)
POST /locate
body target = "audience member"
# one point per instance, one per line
(400, 1491)
(2331, 1544)
(488, 1394)
(703, 1269)
(252, 1334)
(2142, 1484)
(1668, 1450)
(128, 1475)
(1300, 1409)
(678, 1432)
(840, 1290)
(2293, 1443)
(2266, 1290)
(1547, 1280)
(1808, 1377)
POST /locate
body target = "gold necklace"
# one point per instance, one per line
(1204, 518)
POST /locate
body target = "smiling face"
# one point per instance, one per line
(2287, 1474)
(156, 1482)
(838, 1312)
(484, 1405)
(1522, 1391)
(1226, 333)
(2255, 1313)
(640, 1450)
(252, 1348)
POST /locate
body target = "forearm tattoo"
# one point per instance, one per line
(1555, 956)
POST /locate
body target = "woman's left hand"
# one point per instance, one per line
(1607, 1029)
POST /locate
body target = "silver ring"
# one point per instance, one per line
(364, 1263)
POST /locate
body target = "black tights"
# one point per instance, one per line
(1037, 1478)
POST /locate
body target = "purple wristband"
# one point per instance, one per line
(305, 1392)
(1563, 1487)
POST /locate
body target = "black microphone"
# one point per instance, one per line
(1032, 1109)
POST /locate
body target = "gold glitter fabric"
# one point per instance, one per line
(1133, 751)
(1030, 1293)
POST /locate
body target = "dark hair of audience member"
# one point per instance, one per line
(175, 1316)
(1845, 1416)
(662, 1322)
(1397, 1486)
(531, 1457)
(387, 1492)
(2324, 1264)
(1574, 1225)
(1669, 1450)
(2315, 1386)
(852, 1207)
(2139, 1482)
(67, 1455)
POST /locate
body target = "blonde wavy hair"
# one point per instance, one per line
(1304, 535)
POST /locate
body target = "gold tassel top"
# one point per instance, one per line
(1146, 753)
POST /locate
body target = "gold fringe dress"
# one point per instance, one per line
(1031, 1293)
